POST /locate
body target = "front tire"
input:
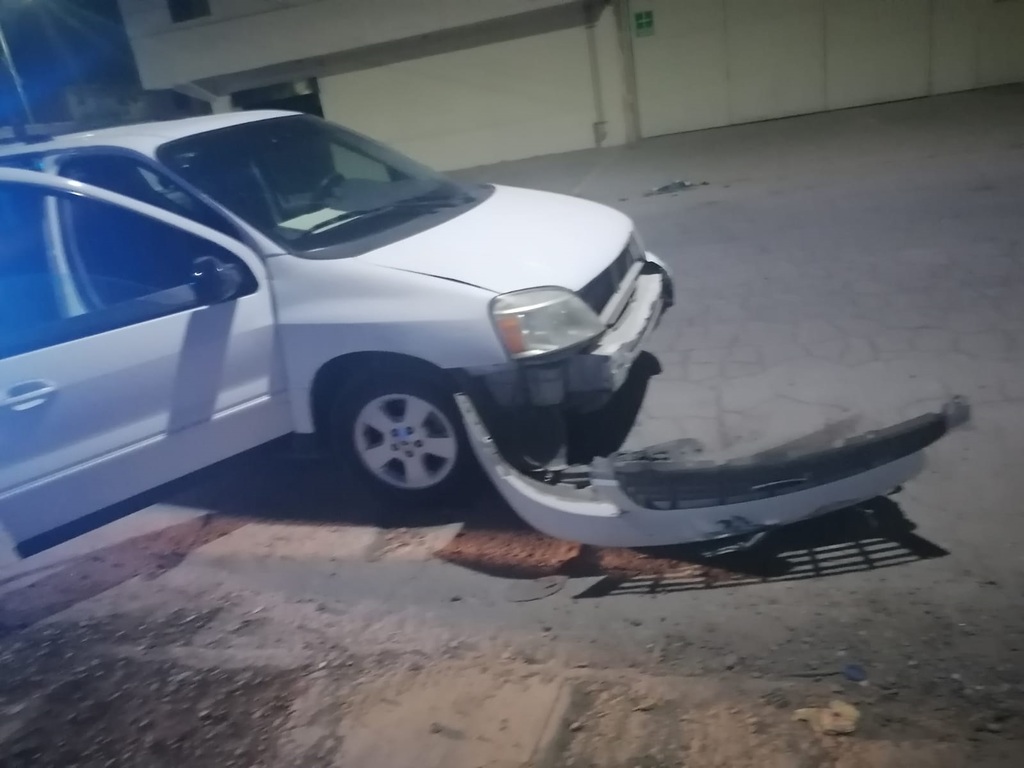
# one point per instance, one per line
(402, 436)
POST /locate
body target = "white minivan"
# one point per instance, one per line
(172, 294)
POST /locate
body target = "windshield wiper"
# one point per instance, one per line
(416, 202)
(344, 218)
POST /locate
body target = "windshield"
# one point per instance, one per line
(309, 184)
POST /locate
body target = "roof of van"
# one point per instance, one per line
(143, 137)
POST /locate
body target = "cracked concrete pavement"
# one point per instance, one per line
(848, 268)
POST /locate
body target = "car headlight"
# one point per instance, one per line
(542, 320)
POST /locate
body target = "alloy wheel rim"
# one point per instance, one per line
(405, 441)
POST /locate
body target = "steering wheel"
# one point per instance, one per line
(325, 189)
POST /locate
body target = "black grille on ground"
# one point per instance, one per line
(599, 291)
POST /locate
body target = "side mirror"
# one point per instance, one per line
(215, 281)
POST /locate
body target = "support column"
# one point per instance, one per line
(221, 105)
(631, 104)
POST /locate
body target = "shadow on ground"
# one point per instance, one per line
(872, 536)
(269, 486)
(80, 578)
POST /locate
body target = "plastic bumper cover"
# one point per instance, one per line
(662, 496)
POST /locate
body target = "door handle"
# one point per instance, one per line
(22, 397)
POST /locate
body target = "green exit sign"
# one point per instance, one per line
(643, 23)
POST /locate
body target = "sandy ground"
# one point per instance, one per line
(196, 664)
(860, 265)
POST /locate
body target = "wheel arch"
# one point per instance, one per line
(345, 370)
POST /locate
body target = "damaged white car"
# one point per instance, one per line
(172, 294)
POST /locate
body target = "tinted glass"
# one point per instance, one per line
(309, 184)
(72, 267)
(131, 178)
(29, 299)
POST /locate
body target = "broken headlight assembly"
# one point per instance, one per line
(541, 321)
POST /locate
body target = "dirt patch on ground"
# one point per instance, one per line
(665, 722)
(454, 715)
(70, 699)
(229, 682)
(413, 544)
(523, 554)
(509, 554)
(83, 577)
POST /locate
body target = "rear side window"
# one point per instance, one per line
(131, 178)
(72, 267)
(23, 162)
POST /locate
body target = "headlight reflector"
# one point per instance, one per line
(541, 320)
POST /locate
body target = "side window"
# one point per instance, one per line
(72, 267)
(129, 177)
(22, 162)
(29, 296)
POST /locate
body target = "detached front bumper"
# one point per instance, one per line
(664, 496)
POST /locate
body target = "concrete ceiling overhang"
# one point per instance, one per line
(550, 19)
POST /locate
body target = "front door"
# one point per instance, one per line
(118, 371)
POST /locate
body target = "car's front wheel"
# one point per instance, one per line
(402, 434)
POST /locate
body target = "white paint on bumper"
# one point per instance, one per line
(602, 514)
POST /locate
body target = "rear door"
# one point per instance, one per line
(116, 373)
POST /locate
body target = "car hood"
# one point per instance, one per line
(517, 238)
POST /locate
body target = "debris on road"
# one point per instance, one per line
(815, 674)
(838, 718)
(855, 673)
(776, 698)
(526, 591)
(674, 186)
(990, 722)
